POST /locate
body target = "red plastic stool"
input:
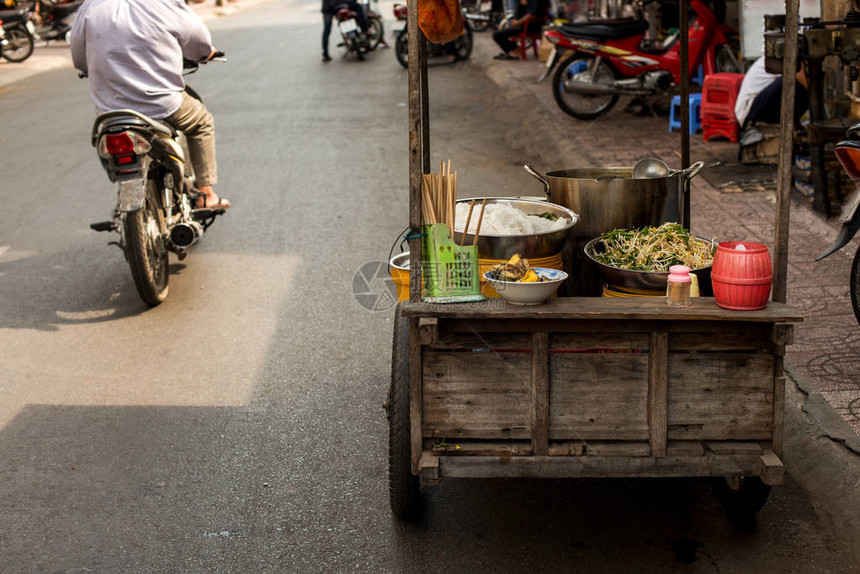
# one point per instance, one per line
(719, 94)
(524, 37)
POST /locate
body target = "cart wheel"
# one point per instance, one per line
(403, 487)
(741, 497)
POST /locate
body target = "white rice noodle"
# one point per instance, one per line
(505, 219)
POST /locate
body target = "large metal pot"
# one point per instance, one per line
(608, 198)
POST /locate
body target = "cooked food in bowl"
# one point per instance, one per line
(653, 249)
(528, 292)
(516, 269)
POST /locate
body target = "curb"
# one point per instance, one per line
(828, 421)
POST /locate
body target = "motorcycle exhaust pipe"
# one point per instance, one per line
(629, 87)
(186, 234)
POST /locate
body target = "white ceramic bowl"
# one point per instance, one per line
(528, 293)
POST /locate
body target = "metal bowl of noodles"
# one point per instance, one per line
(538, 245)
(644, 280)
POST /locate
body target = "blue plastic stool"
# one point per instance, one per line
(695, 116)
(699, 78)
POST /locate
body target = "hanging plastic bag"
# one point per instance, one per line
(440, 20)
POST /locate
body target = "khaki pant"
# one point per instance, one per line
(194, 120)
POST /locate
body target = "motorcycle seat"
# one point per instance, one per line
(13, 16)
(130, 118)
(605, 31)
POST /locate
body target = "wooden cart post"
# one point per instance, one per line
(786, 144)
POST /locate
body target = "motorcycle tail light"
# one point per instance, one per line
(123, 144)
(400, 12)
(552, 38)
(848, 154)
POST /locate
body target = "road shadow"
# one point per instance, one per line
(46, 290)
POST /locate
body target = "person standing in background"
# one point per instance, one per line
(329, 10)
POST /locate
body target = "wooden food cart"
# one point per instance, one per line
(583, 386)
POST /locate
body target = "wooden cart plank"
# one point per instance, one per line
(488, 341)
(598, 396)
(540, 393)
(611, 327)
(415, 391)
(599, 340)
(602, 308)
(599, 466)
(658, 392)
(747, 340)
(721, 396)
(476, 395)
(505, 449)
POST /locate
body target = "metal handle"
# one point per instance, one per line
(539, 177)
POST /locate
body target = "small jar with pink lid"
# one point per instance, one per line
(679, 286)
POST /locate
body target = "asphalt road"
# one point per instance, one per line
(239, 426)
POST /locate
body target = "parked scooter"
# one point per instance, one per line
(16, 35)
(480, 14)
(848, 153)
(458, 50)
(55, 19)
(609, 59)
(353, 40)
(156, 209)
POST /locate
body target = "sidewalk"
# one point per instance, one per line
(825, 359)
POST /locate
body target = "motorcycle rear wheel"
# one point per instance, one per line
(580, 106)
(854, 283)
(378, 32)
(401, 49)
(463, 45)
(19, 46)
(146, 249)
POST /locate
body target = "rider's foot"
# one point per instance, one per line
(326, 58)
(209, 199)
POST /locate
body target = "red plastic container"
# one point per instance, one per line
(742, 278)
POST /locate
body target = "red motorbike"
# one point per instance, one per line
(595, 62)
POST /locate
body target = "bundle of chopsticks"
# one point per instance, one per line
(439, 201)
(439, 196)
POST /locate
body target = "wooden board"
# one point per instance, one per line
(602, 308)
(598, 396)
(605, 466)
(721, 396)
(476, 395)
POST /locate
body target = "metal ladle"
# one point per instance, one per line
(649, 168)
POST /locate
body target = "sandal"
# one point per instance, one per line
(219, 203)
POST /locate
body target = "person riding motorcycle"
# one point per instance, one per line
(329, 10)
(133, 52)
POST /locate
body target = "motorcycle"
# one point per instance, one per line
(16, 35)
(353, 39)
(480, 14)
(460, 49)
(612, 58)
(55, 19)
(848, 153)
(156, 208)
